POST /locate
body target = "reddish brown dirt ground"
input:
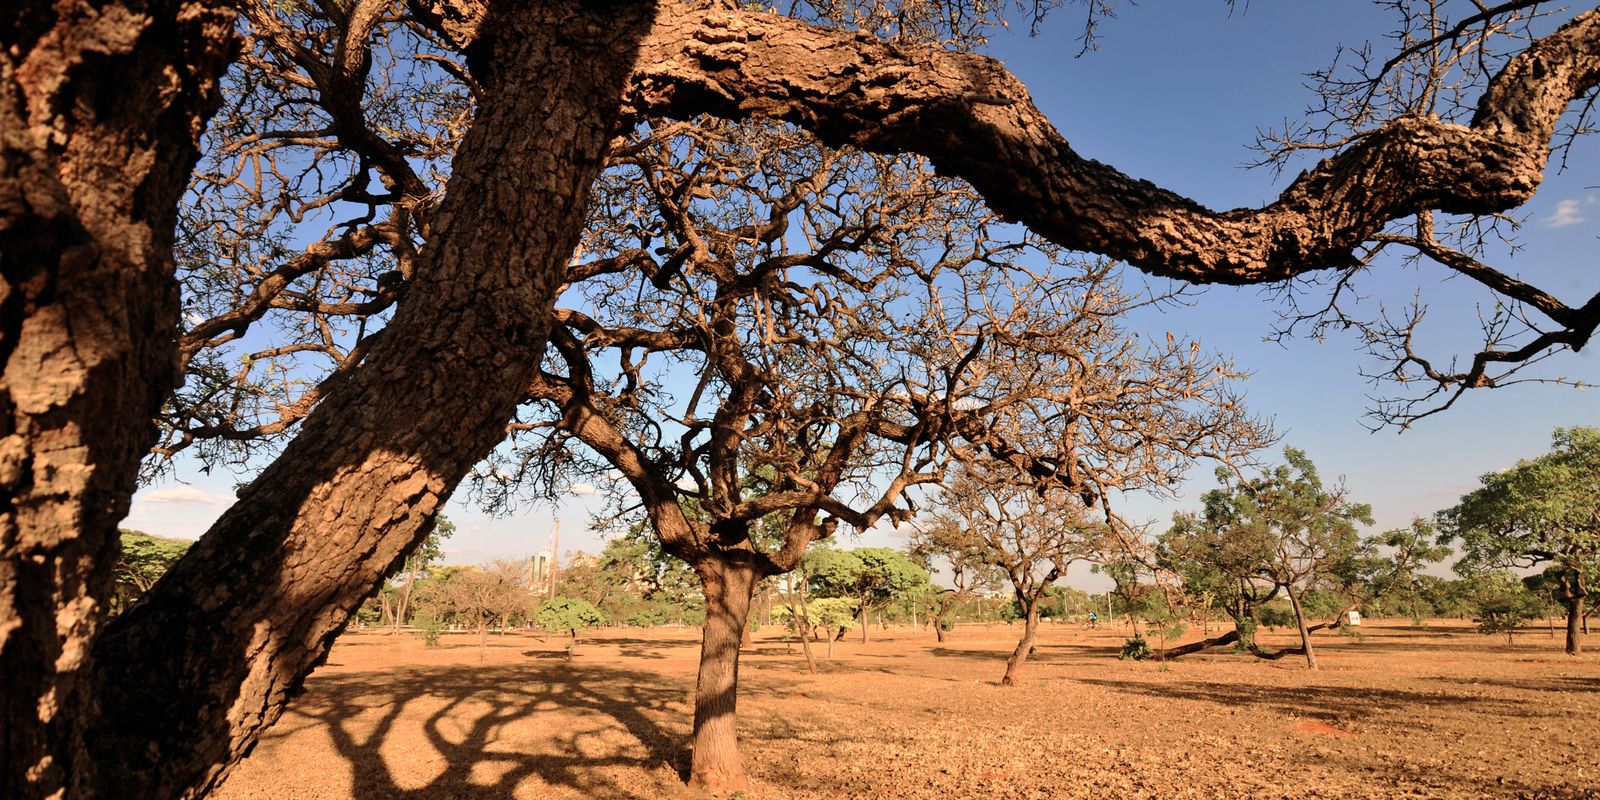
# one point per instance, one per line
(1431, 711)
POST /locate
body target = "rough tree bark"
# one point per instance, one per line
(729, 578)
(101, 108)
(277, 577)
(974, 119)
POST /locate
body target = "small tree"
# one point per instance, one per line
(430, 552)
(568, 614)
(944, 541)
(833, 615)
(477, 596)
(1542, 511)
(1030, 533)
(1502, 604)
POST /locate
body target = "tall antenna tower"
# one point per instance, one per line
(555, 552)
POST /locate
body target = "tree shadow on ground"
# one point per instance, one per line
(1042, 654)
(1552, 683)
(1338, 705)
(654, 649)
(472, 729)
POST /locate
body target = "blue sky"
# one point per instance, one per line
(1175, 95)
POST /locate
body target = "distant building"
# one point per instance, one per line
(540, 573)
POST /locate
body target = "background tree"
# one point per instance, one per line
(1281, 531)
(871, 577)
(1395, 578)
(1540, 511)
(1029, 533)
(1502, 603)
(944, 541)
(567, 614)
(1124, 569)
(475, 597)
(144, 560)
(430, 552)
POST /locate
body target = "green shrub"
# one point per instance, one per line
(1136, 649)
(1276, 616)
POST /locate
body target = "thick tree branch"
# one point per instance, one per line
(974, 119)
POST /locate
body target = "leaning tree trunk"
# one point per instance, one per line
(1231, 637)
(1300, 623)
(101, 106)
(802, 625)
(1030, 629)
(191, 676)
(728, 579)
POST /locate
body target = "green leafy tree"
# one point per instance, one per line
(144, 560)
(872, 576)
(1543, 511)
(830, 615)
(568, 614)
(1502, 604)
(1281, 531)
(1398, 578)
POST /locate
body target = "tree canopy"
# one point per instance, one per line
(1544, 510)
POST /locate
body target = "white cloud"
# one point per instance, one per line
(1568, 212)
(185, 495)
(584, 489)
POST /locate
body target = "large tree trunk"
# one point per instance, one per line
(191, 676)
(1300, 623)
(1574, 591)
(101, 105)
(728, 580)
(1030, 628)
